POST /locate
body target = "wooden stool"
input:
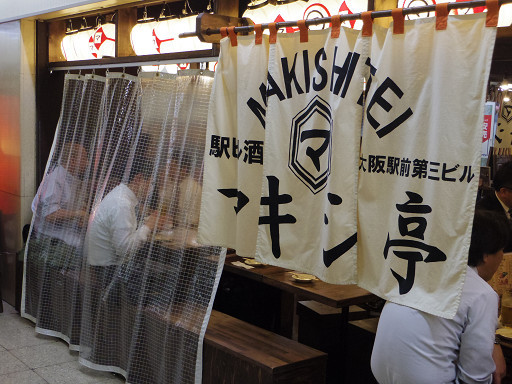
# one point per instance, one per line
(319, 327)
(237, 352)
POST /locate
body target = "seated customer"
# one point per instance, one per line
(114, 230)
(59, 218)
(412, 346)
(54, 254)
(114, 233)
(501, 200)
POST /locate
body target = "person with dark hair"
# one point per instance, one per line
(501, 200)
(412, 346)
(113, 229)
(57, 215)
(114, 236)
(55, 247)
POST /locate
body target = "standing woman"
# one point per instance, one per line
(412, 346)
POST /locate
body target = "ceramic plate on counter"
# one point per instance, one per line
(303, 277)
(253, 263)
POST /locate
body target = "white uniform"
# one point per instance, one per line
(415, 347)
(59, 190)
(113, 228)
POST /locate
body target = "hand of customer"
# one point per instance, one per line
(165, 222)
(162, 222)
(82, 217)
(501, 367)
(150, 221)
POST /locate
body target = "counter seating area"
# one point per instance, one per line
(335, 319)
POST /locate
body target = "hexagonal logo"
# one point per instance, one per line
(506, 112)
(309, 155)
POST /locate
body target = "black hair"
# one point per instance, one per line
(491, 232)
(503, 177)
(141, 166)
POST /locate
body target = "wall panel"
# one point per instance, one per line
(10, 191)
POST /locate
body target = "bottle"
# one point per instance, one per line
(506, 308)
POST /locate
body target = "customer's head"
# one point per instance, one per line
(502, 183)
(140, 178)
(490, 234)
(74, 158)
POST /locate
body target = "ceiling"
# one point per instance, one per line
(501, 66)
(98, 7)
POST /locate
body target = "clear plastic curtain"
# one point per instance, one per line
(145, 285)
(52, 292)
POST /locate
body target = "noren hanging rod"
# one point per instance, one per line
(354, 16)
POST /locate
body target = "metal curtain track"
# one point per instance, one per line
(355, 16)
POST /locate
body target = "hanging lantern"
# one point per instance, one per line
(165, 36)
(104, 40)
(83, 43)
(336, 7)
(174, 68)
(418, 3)
(317, 11)
(422, 3)
(92, 48)
(79, 45)
(348, 7)
(67, 47)
(505, 17)
(260, 12)
(149, 68)
(289, 11)
(188, 24)
(142, 38)
(156, 37)
(263, 12)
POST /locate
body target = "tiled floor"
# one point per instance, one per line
(29, 358)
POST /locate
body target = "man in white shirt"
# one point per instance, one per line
(114, 233)
(59, 217)
(416, 347)
(54, 254)
(113, 230)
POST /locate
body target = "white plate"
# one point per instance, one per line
(303, 277)
(253, 263)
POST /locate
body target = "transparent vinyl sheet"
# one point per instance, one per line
(52, 294)
(144, 286)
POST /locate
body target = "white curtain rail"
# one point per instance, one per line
(354, 16)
